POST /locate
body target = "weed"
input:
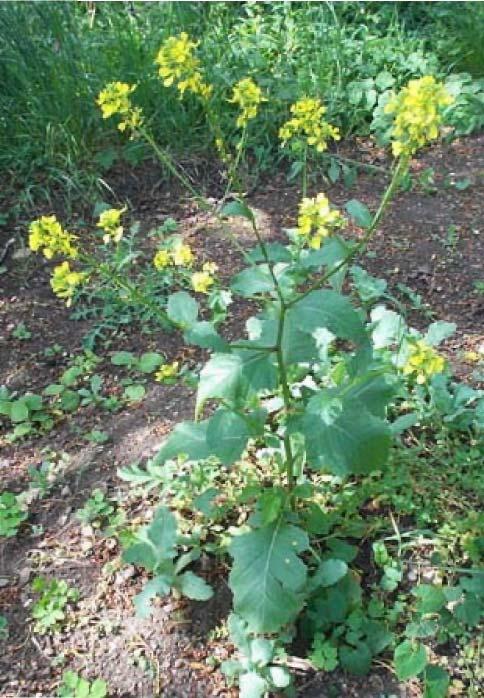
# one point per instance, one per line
(50, 610)
(74, 686)
(11, 514)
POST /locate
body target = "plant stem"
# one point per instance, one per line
(305, 173)
(398, 172)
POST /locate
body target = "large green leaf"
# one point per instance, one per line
(331, 310)
(343, 437)
(158, 586)
(258, 279)
(227, 435)
(188, 438)
(373, 390)
(410, 659)
(297, 346)
(258, 369)
(268, 577)
(221, 377)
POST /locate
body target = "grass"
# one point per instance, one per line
(55, 57)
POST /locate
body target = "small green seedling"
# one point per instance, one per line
(74, 686)
(11, 514)
(21, 332)
(49, 611)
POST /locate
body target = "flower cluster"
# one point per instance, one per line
(64, 281)
(317, 220)
(417, 114)
(177, 65)
(116, 99)
(180, 255)
(248, 96)
(167, 372)
(110, 224)
(307, 122)
(47, 235)
(203, 280)
(423, 362)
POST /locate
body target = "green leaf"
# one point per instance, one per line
(356, 660)
(261, 651)
(343, 437)
(99, 689)
(70, 400)
(410, 659)
(469, 612)
(328, 573)
(19, 411)
(158, 586)
(331, 310)
(268, 577)
(123, 358)
(252, 685)
(149, 362)
(182, 309)
(388, 327)
(188, 438)
(437, 682)
(33, 402)
(134, 392)
(275, 252)
(369, 287)
(227, 435)
(238, 208)
(221, 377)
(279, 676)
(53, 389)
(431, 598)
(194, 587)
(258, 369)
(250, 282)
(155, 543)
(203, 334)
(438, 331)
(71, 376)
(359, 213)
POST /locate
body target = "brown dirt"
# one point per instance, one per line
(167, 654)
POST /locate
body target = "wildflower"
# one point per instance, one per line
(417, 114)
(307, 122)
(248, 96)
(64, 281)
(178, 66)
(423, 362)
(110, 223)
(316, 216)
(115, 99)
(210, 267)
(162, 259)
(47, 235)
(182, 255)
(167, 372)
(201, 281)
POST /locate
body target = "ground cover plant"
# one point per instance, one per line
(302, 482)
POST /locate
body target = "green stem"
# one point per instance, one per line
(305, 173)
(397, 174)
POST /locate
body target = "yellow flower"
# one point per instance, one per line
(167, 372)
(417, 111)
(64, 281)
(182, 255)
(115, 99)
(110, 222)
(47, 235)
(162, 259)
(317, 220)
(423, 362)
(210, 267)
(201, 281)
(248, 96)
(178, 66)
(307, 122)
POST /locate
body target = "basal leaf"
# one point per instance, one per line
(155, 542)
(149, 362)
(268, 577)
(158, 586)
(194, 587)
(410, 659)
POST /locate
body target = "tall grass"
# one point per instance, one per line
(55, 57)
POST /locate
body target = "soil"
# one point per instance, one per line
(430, 241)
